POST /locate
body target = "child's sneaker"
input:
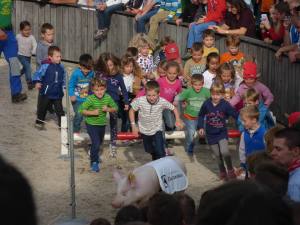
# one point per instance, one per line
(112, 151)
(77, 137)
(95, 167)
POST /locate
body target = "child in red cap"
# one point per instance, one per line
(250, 81)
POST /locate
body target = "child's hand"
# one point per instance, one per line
(278, 54)
(179, 124)
(38, 86)
(73, 98)
(201, 132)
(126, 108)
(105, 108)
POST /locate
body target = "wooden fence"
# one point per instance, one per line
(74, 32)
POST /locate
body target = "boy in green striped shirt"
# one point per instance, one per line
(95, 109)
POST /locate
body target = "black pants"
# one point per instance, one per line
(43, 104)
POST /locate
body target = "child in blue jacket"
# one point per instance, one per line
(49, 79)
(79, 89)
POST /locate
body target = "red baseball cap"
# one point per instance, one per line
(293, 118)
(250, 70)
(172, 51)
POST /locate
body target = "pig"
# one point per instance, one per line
(138, 186)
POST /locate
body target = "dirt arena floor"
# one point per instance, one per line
(37, 154)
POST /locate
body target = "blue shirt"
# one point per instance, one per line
(294, 35)
(215, 123)
(294, 185)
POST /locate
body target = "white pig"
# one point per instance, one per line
(167, 174)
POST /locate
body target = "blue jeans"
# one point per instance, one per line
(77, 117)
(104, 17)
(195, 32)
(25, 61)
(141, 22)
(10, 49)
(154, 144)
(190, 129)
(169, 119)
(96, 133)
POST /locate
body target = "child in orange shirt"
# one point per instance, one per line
(233, 56)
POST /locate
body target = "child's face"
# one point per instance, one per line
(248, 123)
(250, 82)
(26, 32)
(172, 74)
(226, 76)
(197, 85)
(128, 68)
(216, 97)
(213, 64)
(161, 72)
(197, 56)
(111, 67)
(99, 91)
(208, 41)
(84, 70)
(234, 50)
(251, 102)
(48, 36)
(56, 57)
(144, 50)
(152, 96)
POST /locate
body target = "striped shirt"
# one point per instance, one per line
(93, 102)
(150, 115)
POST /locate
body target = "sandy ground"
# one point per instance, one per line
(37, 155)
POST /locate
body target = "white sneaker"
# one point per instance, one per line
(77, 137)
(112, 151)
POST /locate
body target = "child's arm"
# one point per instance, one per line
(34, 45)
(72, 85)
(267, 96)
(112, 106)
(235, 99)
(178, 122)
(38, 75)
(285, 49)
(242, 152)
(135, 129)
(230, 111)
(202, 113)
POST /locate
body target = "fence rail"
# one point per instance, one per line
(74, 31)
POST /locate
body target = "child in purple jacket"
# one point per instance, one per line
(250, 81)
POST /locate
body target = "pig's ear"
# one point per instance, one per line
(131, 179)
(118, 175)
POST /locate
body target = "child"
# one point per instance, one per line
(49, 80)
(250, 81)
(195, 65)
(105, 8)
(234, 55)
(215, 14)
(27, 46)
(132, 76)
(251, 97)
(252, 138)
(168, 10)
(212, 64)
(47, 33)
(161, 69)
(79, 89)
(226, 75)
(95, 109)
(216, 111)
(107, 68)
(145, 59)
(194, 98)
(209, 42)
(150, 123)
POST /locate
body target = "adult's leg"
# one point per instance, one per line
(154, 22)
(199, 29)
(191, 36)
(141, 22)
(109, 11)
(10, 50)
(101, 18)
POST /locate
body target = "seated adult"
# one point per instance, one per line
(286, 151)
(63, 1)
(239, 20)
(149, 9)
